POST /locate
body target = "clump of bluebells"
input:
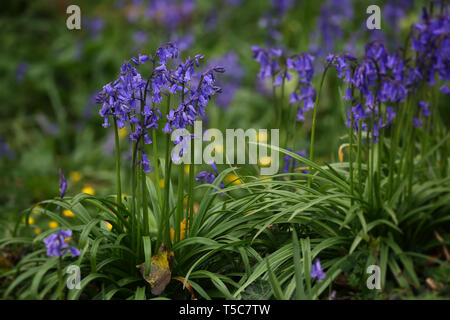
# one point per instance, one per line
(384, 78)
(132, 100)
(278, 67)
(379, 77)
(431, 44)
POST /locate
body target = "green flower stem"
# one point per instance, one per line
(146, 231)
(180, 204)
(117, 153)
(139, 174)
(313, 130)
(350, 160)
(155, 159)
(359, 159)
(132, 216)
(163, 229)
(60, 279)
(191, 189)
(275, 105)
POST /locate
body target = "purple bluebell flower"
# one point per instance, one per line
(5, 150)
(445, 89)
(170, 13)
(395, 10)
(333, 16)
(209, 176)
(417, 122)
(74, 252)
(56, 244)
(183, 43)
(425, 108)
(431, 43)
(348, 94)
(290, 162)
(145, 163)
(317, 271)
(302, 64)
(21, 71)
(268, 60)
(94, 26)
(140, 37)
(62, 183)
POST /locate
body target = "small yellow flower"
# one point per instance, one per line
(30, 220)
(37, 231)
(262, 136)
(123, 132)
(108, 225)
(68, 213)
(219, 149)
(182, 230)
(265, 161)
(53, 224)
(88, 190)
(231, 177)
(75, 176)
(161, 183)
(36, 210)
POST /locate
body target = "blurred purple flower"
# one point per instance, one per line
(140, 37)
(21, 71)
(62, 183)
(5, 150)
(46, 126)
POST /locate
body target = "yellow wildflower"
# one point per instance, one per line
(108, 225)
(30, 220)
(88, 190)
(68, 213)
(264, 161)
(262, 136)
(231, 177)
(36, 210)
(182, 230)
(75, 176)
(53, 224)
(123, 132)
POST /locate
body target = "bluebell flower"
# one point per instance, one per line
(417, 122)
(317, 271)
(62, 183)
(21, 71)
(56, 244)
(445, 89)
(209, 176)
(268, 59)
(290, 161)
